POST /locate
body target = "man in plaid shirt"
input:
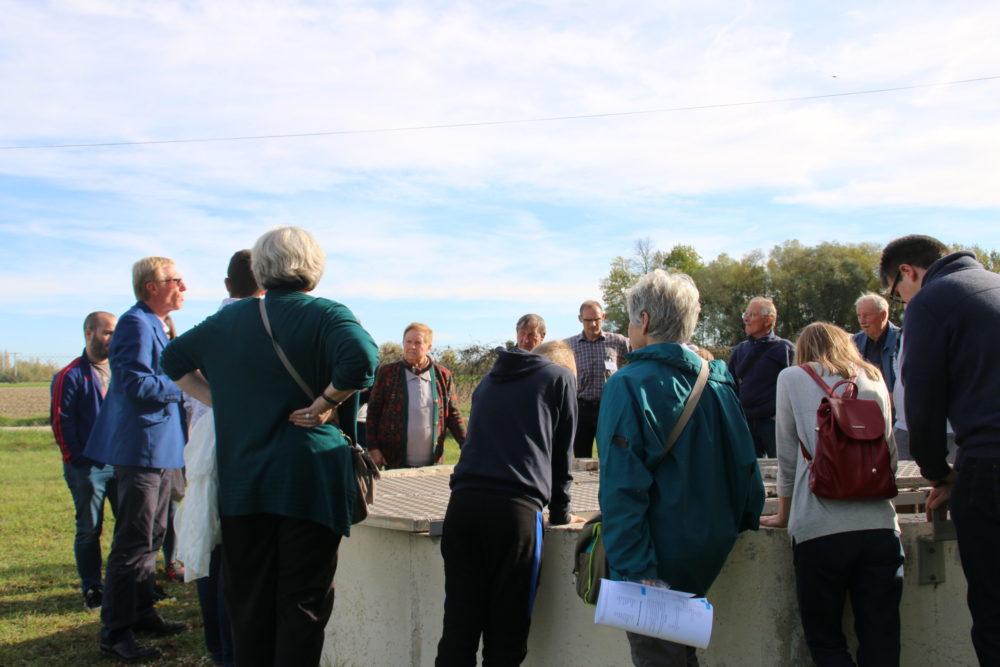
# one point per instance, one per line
(598, 355)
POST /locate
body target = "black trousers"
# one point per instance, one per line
(975, 508)
(140, 524)
(586, 428)
(279, 587)
(865, 564)
(492, 549)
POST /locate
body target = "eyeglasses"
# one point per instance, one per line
(176, 281)
(892, 288)
(594, 321)
(752, 315)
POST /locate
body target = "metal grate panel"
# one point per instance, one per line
(415, 500)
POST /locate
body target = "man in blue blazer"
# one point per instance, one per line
(140, 431)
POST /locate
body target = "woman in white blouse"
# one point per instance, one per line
(840, 547)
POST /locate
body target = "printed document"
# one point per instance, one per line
(656, 612)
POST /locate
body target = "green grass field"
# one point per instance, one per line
(42, 619)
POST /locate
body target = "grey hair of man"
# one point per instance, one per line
(531, 320)
(287, 258)
(767, 308)
(148, 270)
(877, 300)
(670, 300)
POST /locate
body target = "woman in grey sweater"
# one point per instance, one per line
(840, 547)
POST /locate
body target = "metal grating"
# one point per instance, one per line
(415, 500)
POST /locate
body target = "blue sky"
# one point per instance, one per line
(467, 228)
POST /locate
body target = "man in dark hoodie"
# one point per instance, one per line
(515, 461)
(950, 364)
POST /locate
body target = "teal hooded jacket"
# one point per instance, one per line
(679, 522)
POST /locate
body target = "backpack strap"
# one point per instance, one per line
(850, 391)
(689, 406)
(816, 378)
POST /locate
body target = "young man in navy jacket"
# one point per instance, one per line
(950, 364)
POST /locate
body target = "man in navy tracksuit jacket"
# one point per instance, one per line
(77, 393)
(515, 461)
(950, 371)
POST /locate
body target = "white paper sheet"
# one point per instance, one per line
(656, 612)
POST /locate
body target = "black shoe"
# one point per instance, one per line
(157, 627)
(129, 650)
(92, 598)
(159, 594)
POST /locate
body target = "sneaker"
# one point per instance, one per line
(174, 573)
(92, 598)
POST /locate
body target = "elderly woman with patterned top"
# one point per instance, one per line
(412, 406)
(286, 475)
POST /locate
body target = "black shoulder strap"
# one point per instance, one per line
(281, 355)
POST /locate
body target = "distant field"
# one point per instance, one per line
(24, 401)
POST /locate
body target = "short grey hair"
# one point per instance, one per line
(531, 320)
(287, 258)
(876, 300)
(767, 308)
(670, 300)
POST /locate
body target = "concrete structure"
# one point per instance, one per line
(390, 592)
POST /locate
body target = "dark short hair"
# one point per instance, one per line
(90, 322)
(593, 304)
(241, 281)
(915, 249)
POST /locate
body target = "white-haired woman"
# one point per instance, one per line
(286, 490)
(672, 519)
(841, 547)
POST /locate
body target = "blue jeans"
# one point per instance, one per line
(975, 509)
(89, 486)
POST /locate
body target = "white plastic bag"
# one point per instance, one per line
(197, 520)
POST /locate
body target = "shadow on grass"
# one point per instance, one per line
(49, 626)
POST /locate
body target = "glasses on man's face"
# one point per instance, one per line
(895, 298)
(594, 321)
(176, 281)
(750, 315)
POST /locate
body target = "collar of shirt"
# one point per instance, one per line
(583, 337)
(766, 338)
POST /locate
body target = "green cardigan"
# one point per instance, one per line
(266, 464)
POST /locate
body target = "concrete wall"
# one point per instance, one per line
(390, 596)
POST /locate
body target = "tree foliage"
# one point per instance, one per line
(807, 284)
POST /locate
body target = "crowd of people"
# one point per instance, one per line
(279, 373)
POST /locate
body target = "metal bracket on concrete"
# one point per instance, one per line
(930, 550)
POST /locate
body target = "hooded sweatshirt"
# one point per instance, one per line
(520, 434)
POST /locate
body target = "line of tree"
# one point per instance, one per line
(807, 284)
